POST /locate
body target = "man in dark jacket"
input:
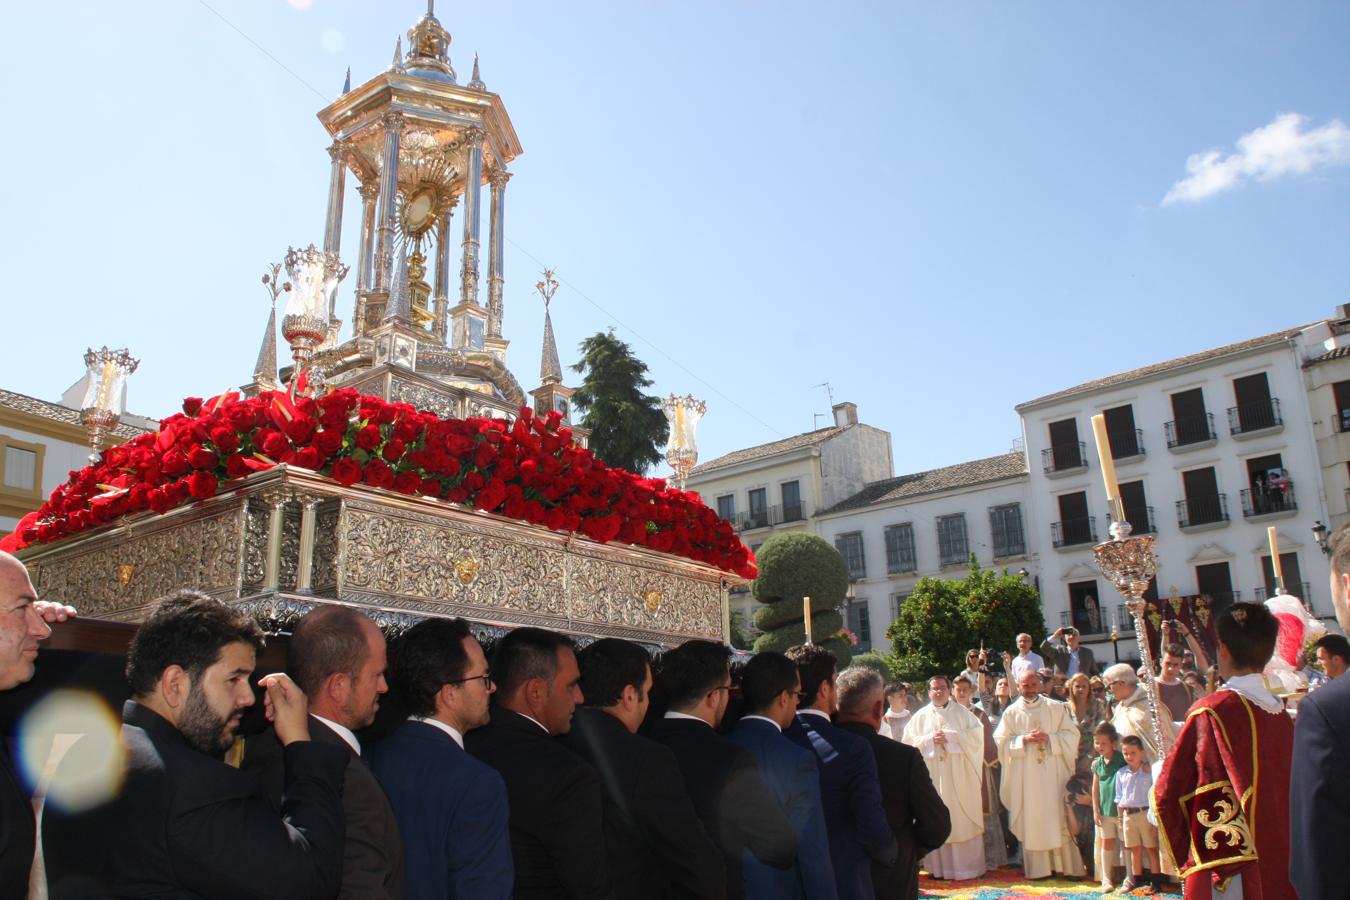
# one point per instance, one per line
(769, 686)
(656, 844)
(849, 785)
(556, 803)
(450, 806)
(722, 778)
(337, 657)
(191, 826)
(1319, 794)
(914, 810)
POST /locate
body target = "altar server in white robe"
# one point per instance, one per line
(1037, 747)
(951, 740)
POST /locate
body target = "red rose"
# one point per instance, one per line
(160, 501)
(192, 406)
(300, 430)
(369, 437)
(407, 482)
(202, 484)
(225, 439)
(429, 487)
(307, 458)
(491, 496)
(202, 458)
(377, 474)
(275, 445)
(405, 430)
(175, 464)
(236, 466)
(393, 450)
(328, 442)
(346, 472)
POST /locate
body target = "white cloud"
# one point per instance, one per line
(1281, 148)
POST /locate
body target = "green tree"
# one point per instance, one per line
(793, 566)
(942, 619)
(628, 429)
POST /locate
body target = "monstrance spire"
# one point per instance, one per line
(550, 368)
(476, 82)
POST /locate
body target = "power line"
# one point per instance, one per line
(536, 259)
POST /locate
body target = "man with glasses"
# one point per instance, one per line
(770, 686)
(723, 779)
(656, 844)
(555, 799)
(451, 807)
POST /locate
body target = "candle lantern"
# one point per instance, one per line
(105, 398)
(683, 415)
(315, 275)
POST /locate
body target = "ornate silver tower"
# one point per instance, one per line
(421, 147)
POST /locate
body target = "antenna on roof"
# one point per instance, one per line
(815, 418)
(829, 391)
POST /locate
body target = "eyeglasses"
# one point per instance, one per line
(486, 678)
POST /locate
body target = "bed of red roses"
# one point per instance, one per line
(529, 469)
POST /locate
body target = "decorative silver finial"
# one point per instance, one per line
(400, 302)
(476, 82)
(550, 367)
(105, 398)
(265, 369)
(397, 64)
(347, 85)
(682, 415)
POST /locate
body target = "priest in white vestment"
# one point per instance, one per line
(1037, 748)
(1132, 714)
(951, 740)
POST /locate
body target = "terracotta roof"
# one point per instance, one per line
(1338, 353)
(961, 475)
(57, 413)
(764, 451)
(1158, 368)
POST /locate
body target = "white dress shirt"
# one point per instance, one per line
(448, 729)
(343, 732)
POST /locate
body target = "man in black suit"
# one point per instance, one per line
(849, 785)
(1319, 793)
(722, 779)
(1064, 652)
(557, 822)
(450, 806)
(23, 625)
(337, 657)
(189, 825)
(914, 810)
(657, 846)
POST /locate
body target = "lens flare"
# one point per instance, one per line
(71, 752)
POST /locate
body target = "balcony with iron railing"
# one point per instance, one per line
(1148, 525)
(1262, 593)
(1202, 512)
(1127, 444)
(1247, 420)
(1073, 532)
(1269, 502)
(1190, 433)
(769, 516)
(1064, 459)
(1088, 621)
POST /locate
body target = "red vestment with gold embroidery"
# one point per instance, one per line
(1222, 799)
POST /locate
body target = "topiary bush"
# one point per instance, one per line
(878, 663)
(793, 566)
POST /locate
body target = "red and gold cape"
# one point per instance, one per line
(1222, 799)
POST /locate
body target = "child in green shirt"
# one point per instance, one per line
(1105, 765)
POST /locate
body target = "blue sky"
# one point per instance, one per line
(942, 209)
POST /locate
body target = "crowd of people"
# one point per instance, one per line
(535, 768)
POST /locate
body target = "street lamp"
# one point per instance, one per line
(1320, 535)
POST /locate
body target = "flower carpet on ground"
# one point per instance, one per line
(529, 469)
(1008, 883)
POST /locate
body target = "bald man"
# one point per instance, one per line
(23, 625)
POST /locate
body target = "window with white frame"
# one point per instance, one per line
(850, 546)
(900, 555)
(953, 546)
(1005, 523)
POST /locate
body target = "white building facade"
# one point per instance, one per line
(896, 531)
(782, 486)
(1210, 450)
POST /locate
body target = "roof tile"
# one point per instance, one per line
(947, 478)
